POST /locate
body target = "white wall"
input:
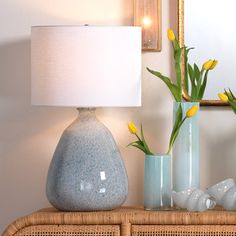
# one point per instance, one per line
(28, 135)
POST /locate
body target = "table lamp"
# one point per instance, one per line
(86, 67)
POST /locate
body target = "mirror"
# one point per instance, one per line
(208, 26)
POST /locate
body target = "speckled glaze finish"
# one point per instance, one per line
(87, 172)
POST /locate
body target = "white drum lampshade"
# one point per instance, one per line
(86, 67)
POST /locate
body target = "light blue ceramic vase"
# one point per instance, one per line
(186, 151)
(157, 182)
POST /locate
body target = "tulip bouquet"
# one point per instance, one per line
(141, 142)
(192, 73)
(228, 97)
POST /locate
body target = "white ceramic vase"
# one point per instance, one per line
(225, 194)
(193, 199)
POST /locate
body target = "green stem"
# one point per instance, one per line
(174, 135)
(203, 86)
(199, 83)
(138, 137)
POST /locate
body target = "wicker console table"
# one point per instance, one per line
(125, 221)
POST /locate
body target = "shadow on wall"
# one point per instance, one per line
(23, 170)
(223, 158)
(218, 140)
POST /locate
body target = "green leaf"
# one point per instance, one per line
(199, 83)
(176, 45)
(136, 142)
(194, 95)
(232, 100)
(193, 82)
(172, 140)
(186, 85)
(186, 52)
(178, 68)
(188, 49)
(186, 69)
(191, 73)
(178, 116)
(232, 95)
(176, 92)
(196, 71)
(203, 87)
(178, 119)
(144, 141)
(175, 134)
(233, 105)
(140, 147)
(197, 80)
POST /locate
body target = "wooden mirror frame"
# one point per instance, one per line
(181, 40)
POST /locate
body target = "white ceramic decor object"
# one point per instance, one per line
(229, 199)
(193, 199)
(180, 198)
(219, 190)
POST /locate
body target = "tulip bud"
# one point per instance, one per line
(191, 111)
(223, 97)
(213, 65)
(171, 35)
(132, 128)
(207, 65)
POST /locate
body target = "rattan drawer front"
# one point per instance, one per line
(70, 230)
(183, 230)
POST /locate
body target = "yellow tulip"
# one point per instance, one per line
(223, 97)
(132, 128)
(191, 111)
(213, 65)
(171, 35)
(207, 65)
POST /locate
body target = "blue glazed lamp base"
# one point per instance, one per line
(87, 172)
(157, 182)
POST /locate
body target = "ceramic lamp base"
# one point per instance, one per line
(87, 172)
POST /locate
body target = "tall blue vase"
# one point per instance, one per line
(186, 151)
(157, 182)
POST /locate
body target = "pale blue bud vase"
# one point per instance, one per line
(186, 151)
(157, 182)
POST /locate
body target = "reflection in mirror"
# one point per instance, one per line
(208, 26)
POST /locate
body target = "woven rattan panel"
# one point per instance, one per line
(184, 230)
(70, 230)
